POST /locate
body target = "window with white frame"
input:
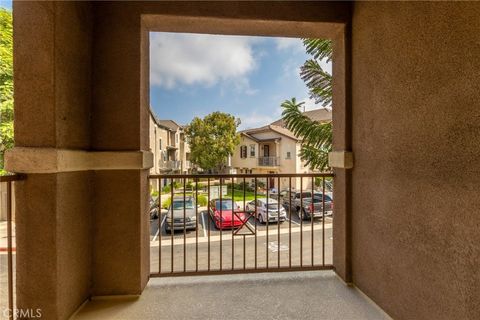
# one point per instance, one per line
(252, 150)
(289, 155)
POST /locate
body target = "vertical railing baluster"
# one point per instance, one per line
(172, 183)
(233, 224)
(323, 221)
(244, 215)
(300, 214)
(9, 250)
(184, 228)
(266, 219)
(290, 221)
(311, 221)
(196, 223)
(221, 223)
(209, 222)
(256, 217)
(278, 221)
(159, 225)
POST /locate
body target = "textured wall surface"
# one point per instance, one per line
(416, 141)
(52, 109)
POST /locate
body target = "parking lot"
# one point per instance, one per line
(289, 244)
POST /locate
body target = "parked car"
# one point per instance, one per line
(304, 199)
(226, 214)
(181, 209)
(154, 212)
(268, 211)
(314, 208)
(292, 197)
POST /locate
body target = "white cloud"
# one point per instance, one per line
(200, 59)
(289, 43)
(255, 119)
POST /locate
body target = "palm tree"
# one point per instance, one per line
(316, 136)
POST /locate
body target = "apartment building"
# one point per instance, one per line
(274, 149)
(171, 153)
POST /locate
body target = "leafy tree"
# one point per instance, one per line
(316, 136)
(212, 139)
(6, 84)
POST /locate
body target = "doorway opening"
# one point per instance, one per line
(221, 210)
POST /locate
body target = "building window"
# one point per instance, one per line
(160, 144)
(243, 151)
(252, 150)
(289, 155)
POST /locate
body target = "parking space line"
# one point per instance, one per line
(293, 222)
(159, 229)
(203, 225)
(228, 236)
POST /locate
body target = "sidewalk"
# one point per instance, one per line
(3, 236)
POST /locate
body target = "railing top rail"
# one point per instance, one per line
(12, 177)
(255, 175)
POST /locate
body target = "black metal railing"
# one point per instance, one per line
(268, 161)
(228, 223)
(6, 183)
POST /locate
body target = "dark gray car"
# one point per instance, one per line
(181, 210)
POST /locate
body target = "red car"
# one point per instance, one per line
(221, 213)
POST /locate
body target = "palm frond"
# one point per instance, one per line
(316, 136)
(318, 81)
(319, 48)
(314, 158)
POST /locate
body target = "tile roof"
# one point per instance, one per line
(320, 115)
(166, 124)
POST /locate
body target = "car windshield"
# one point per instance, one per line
(223, 205)
(180, 205)
(319, 196)
(273, 206)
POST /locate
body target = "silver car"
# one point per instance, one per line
(268, 211)
(181, 209)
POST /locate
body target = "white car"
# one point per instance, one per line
(273, 213)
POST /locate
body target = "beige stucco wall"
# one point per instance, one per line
(416, 143)
(52, 109)
(249, 162)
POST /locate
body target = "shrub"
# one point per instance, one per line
(202, 201)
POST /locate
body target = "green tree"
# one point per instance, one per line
(6, 84)
(316, 136)
(212, 139)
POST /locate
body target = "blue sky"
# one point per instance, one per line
(249, 77)
(6, 4)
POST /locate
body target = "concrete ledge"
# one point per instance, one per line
(340, 159)
(51, 160)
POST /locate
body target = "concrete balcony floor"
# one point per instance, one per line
(290, 295)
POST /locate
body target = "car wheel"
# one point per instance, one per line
(260, 219)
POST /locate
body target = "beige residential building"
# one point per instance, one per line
(274, 149)
(171, 153)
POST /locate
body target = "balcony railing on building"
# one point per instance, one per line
(236, 223)
(170, 165)
(268, 161)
